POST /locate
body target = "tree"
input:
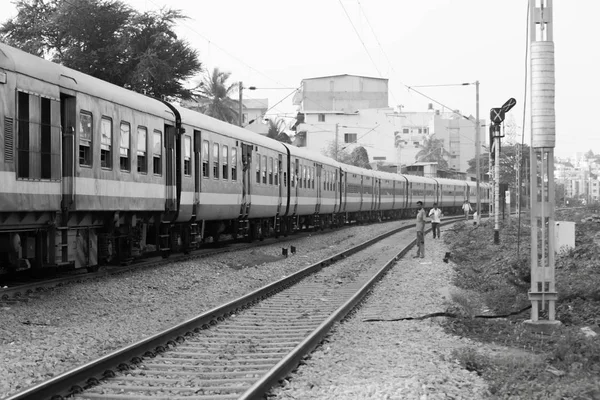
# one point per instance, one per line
(276, 131)
(337, 152)
(589, 155)
(509, 164)
(215, 96)
(108, 40)
(160, 63)
(433, 150)
(360, 158)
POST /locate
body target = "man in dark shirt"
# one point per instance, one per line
(420, 231)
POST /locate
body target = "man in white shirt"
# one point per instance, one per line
(436, 218)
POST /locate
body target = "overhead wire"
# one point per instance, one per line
(359, 37)
(527, 38)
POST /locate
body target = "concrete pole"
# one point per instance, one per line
(241, 116)
(337, 129)
(477, 151)
(497, 185)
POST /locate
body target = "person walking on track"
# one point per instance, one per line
(436, 218)
(420, 225)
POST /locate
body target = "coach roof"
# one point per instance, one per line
(45, 77)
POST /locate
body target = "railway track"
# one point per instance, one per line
(238, 350)
(24, 288)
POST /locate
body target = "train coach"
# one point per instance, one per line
(95, 174)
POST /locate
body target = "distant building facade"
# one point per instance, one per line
(346, 111)
(459, 137)
(253, 111)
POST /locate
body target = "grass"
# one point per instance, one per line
(495, 278)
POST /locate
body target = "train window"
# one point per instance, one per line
(124, 147)
(264, 170)
(205, 172)
(46, 138)
(305, 177)
(23, 136)
(292, 176)
(37, 137)
(187, 155)
(216, 160)
(257, 168)
(106, 142)
(157, 153)
(142, 150)
(233, 163)
(285, 179)
(225, 163)
(270, 170)
(85, 138)
(276, 172)
(312, 177)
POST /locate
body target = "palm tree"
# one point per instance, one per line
(276, 131)
(215, 96)
(433, 150)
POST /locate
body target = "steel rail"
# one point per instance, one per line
(88, 375)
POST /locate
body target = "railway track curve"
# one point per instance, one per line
(240, 349)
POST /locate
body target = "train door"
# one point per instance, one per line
(246, 179)
(278, 183)
(362, 193)
(68, 119)
(336, 192)
(197, 172)
(297, 179)
(319, 187)
(343, 192)
(171, 169)
(377, 194)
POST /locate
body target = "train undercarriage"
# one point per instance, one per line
(50, 242)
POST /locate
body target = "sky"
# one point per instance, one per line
(274, 44)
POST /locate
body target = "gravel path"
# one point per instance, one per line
(391, 360)
(79, 322)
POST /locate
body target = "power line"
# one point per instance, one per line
(359, 37)
(378, 43)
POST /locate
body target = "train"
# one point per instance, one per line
(94, 174)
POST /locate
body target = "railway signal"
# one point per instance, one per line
(497, 116)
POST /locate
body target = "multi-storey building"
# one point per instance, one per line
(345, 111)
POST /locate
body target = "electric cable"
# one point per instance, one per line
(523, 127)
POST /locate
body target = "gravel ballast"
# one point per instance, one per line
(79, 322)
(392, 359)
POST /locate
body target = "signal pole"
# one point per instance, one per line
(496, 118)
(542, 293)
(477, 151)
(241, 116)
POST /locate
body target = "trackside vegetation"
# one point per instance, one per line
(494, 280)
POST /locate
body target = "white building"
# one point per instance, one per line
(458, 135)
(353, 111)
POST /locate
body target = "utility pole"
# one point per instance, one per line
(241, 116)
(337, 129)
(542, 292)
(477, 151)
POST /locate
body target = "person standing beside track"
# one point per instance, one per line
(467, 209)
(436, 218)
(420, 225)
